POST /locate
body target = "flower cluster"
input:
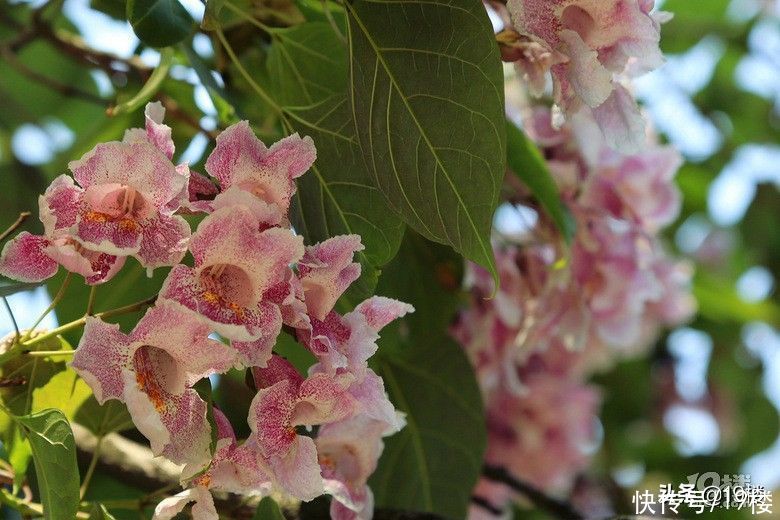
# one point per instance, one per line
(250, 276)
(563, 312)
(589, 48)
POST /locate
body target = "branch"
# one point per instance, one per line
(557, 508)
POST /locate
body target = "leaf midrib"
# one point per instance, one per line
(394, 82)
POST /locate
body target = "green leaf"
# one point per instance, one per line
(306, 75)
(526, 161)
(104, 419)
(32, 384)
(428, 102)
(267, 509)
(99, 512)
(159, 23)
(54, 454)
(434, 462)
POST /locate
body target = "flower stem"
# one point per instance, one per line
(91, 301)
(48, 353)
(52, 305)
(13, 319)
(22, 217)
(133, 307)
(91, 468)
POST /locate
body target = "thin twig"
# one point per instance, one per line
(13, 319)
(91, 300)
(91, 469)
(554, 506)
(13, 227)
(52, 305)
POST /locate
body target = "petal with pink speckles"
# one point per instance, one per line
(380, 311)
(163, 241)
(102, 354)
(59, 205)
(139, 165)
(240, 158)
(24, 259)
(298, 472)
(327, 270)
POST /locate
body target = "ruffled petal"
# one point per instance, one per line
(269, 418)
(323, 399)
(621, 122)
(139, 165)
(240, 158)
(24, 259)
(158, 133)
(59, 206)
(327, 270)
(379, 311)
(164, 241)
(102, 354)
(298, 472)
(121, 237)
(257, 353)
(375, 403)
(202, 510)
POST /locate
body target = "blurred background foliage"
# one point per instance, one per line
(706, 399)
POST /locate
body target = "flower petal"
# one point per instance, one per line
(139, 165)
(103, 352)
(59, 205)
(298, 472)
(380, 311)
(326, 270)
(163, 241)
(24, 259)
(202, 510)
(240, 158)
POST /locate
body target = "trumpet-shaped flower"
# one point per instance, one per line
(348, 453)
(326, 270)
(234, 264)
(284, 402)
(127, 194)
(587, 44)
(34, 258)
(241, 159)
(152, 370)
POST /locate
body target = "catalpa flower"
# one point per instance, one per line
(284, 402)
(241, 159)
(152, 370)
(234, 264)
(348, 453)
(590, 43)
(125, 196)
(349, 341)
(34, 258)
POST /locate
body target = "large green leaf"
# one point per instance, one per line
(434, 462)
(32, 384)
(526, 161)
(159, 23)
(428, 101)
(307, 77)
(54, 454)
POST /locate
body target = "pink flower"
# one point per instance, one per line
(152, 370)
(349, 341)
(590, 43)
(241, 159)
(202, 509)
(234, 264)
(33, 258)
(348, 454)
(284, 402)
(326, 271)
(555, 420)
(125, 203)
